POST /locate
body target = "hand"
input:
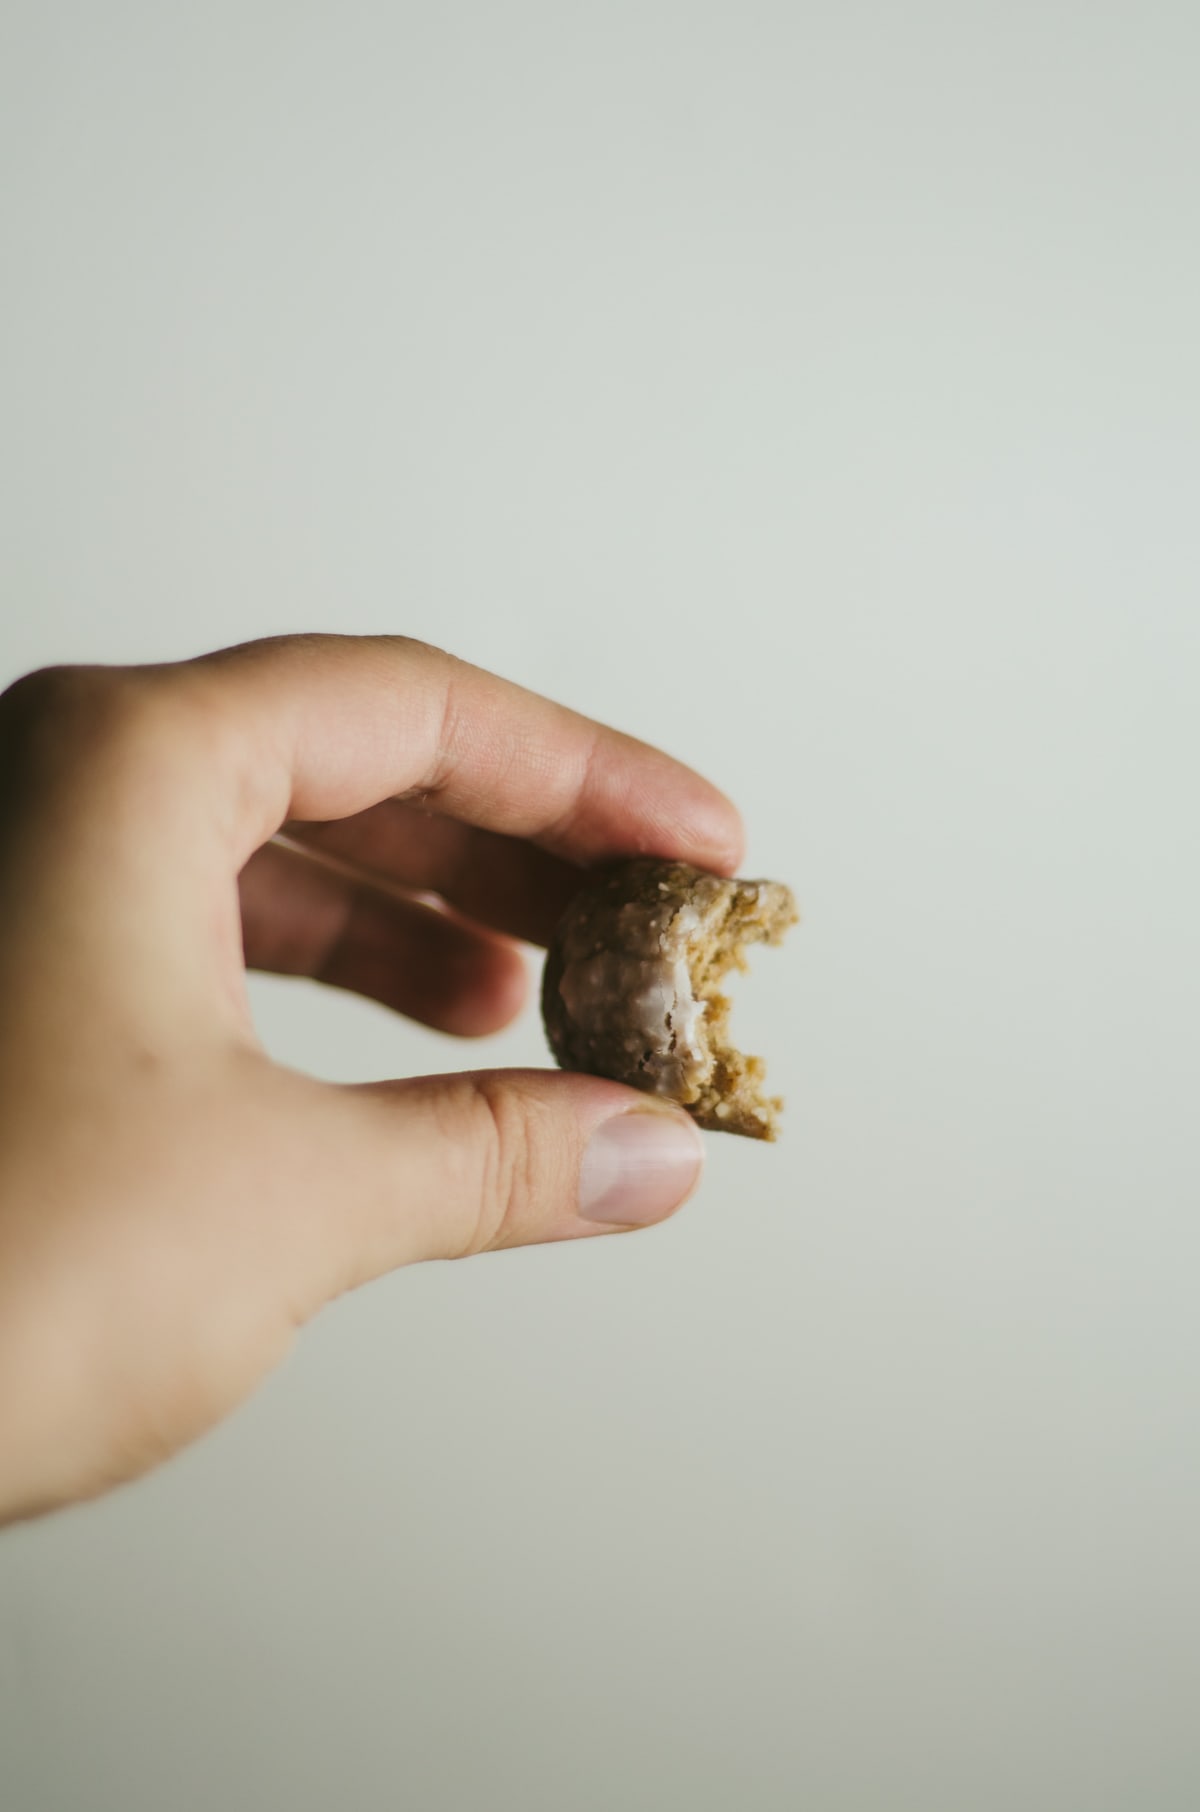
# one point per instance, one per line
(173, 1204)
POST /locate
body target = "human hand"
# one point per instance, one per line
(173, 1204)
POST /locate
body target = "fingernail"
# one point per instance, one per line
(638, 1166)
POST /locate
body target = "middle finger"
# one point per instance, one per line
(499, 881)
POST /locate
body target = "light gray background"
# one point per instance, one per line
(813, 390)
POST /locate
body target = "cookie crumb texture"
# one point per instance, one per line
(632, 987)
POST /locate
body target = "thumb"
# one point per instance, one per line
(445, 1166)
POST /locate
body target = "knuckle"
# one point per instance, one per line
(46, 715)
(50, 693)
(54, 704)
(81, 725)
(510, 1164)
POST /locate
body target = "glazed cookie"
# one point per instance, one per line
(632, 980)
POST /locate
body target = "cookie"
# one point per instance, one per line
(632, 987)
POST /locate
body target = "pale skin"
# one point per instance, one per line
(174, 1205)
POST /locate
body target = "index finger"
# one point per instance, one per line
(326, 726)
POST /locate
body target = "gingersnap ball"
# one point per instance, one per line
(632, 987)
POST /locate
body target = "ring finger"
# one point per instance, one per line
(301, 918)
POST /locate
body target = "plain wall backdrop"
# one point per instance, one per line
(813, 390)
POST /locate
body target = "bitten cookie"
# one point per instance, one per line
(631, 987)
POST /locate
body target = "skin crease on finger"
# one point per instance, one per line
(173, 1204)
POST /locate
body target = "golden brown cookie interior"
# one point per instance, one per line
(632, 987)
(734, 1099)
